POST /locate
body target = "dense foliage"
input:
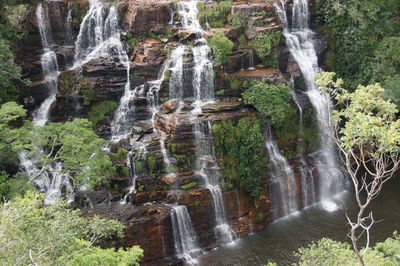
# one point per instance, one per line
(32, 234)
(368, 122)
(271, 101)
(362, 35)
(221, 47)
(264, 45)
(74, 144)
(330, 253)
(240, 149)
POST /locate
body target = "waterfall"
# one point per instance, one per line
(52, 181)
(208, 170)
(283, 178)
(175, 82)
(184, 236)
(251, 61)
(49, 64)
(300, 41)
(202, 80)
(100, 35)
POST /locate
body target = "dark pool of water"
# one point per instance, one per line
(281, 238)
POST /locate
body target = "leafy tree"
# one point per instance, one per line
(74, 144)
(77, 147)
(9, 73)
(329, 252)
(355, 29)
(271, 101)
(32, 234)
(368, 136)
(221, 47)
(12, 135)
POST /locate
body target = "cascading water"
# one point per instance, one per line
(283, 177)
(184, 236)
(49, 67)
(208, 170)
(52, 181)
(202, 80)
(299, 40)
(100, 35)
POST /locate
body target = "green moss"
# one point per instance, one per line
(288, 133)
(241, 153)
(189, 185)
(141, 188)
(197, 203)
(220, 92)
(99, 110)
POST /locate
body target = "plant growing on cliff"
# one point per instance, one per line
(238, 21)
(367, 132)
(77, 147)
(32, 234)
(221, 47)
(240, 149)
(263, 44)
(271, 101)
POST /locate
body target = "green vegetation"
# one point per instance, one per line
(330, 253)
(238, 21)
(99, 110)
(368, 135)
(264, 45)
(240, 149)
(72, 143)
(221, 47)
(56, 235)
(72, 84)
(271, 101)
(215, 13)
(289, 132)
(358, 33)
(190, 185)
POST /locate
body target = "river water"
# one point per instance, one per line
(281, 238)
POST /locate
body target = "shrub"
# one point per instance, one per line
(271, 101)
(264, 44)
(238, 21)
(57, 235)
(221, 47)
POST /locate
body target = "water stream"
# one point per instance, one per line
(185, 239)
(208, 170)
(279, 240)
(283, 180)
(49, 64)
(300, 41)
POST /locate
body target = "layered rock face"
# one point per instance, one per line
(162, 167)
